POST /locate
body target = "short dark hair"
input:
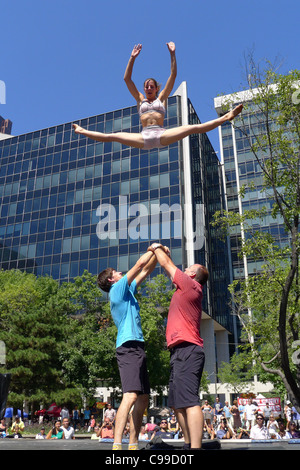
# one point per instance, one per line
(201, 275)
(103, 279)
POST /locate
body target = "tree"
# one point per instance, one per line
(272, 295)
(34, 325)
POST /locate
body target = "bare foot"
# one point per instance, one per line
(77, 128)
(234, 112)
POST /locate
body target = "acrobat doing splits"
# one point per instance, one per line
(152, 109)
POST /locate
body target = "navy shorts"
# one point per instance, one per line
(131, 359)
(187, 362)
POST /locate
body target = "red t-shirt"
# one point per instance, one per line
(185, 311)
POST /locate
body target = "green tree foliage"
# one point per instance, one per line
(34, 325)
(272, 296)
(60, 338)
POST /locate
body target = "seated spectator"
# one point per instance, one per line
(96, 432)
(106, 430)
(163, 432)
(41, 434)
(68, 430)
(292, 431)
(173, 425)
(16, 433)
(17, 423)
(243, 434)
(56, 432)
(225, 431)
(150, 428)
(143, 435)
(272, 425)
(211, 431)
(259, 430)
(282, 433)
(3, 427)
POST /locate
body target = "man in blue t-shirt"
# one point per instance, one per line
(130, 351)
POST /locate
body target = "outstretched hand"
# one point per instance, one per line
(171, 46)
(136, 50)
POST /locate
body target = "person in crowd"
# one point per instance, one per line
(41, 434)
(64, 413)
(143, 435)
(296, 416)
(259, 430)
(292, 432)
(218, 409)
(92, 423)
(95, 434)
(173, 424)
(106, 430)
(272, 425)
(227, 412)
(3, 427)
(68, 430)
(236, 417)
(282, 432)
(75, 417)
(250, 413)
(225, 431)
(110, 413)
(288, 412)
(207, 412)
(163, 432)
(87, 416)
(56, 432)
(243, 433)
(18, 425)
(241, 407)
(267, 410)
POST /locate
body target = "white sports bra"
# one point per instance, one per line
(156, 106)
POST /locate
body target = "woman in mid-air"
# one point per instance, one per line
(152, 109)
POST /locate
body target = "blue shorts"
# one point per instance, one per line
(151, 136)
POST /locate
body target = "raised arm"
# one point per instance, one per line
(163, 257)
(171, 80)
(128, 74)
(139, 267)
(147, 270)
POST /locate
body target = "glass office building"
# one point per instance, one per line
(240, 168)
(70, 204)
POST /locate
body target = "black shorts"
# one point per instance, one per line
(132, 365)
(187, 362)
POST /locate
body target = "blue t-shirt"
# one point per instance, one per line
(125, 311)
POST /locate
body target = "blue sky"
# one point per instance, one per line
(64, 60)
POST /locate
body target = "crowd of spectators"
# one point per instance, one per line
(221, 421)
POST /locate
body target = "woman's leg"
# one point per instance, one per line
(125, 138)
(178, 133)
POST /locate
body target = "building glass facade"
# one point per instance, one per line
(52, 182)
(70, 204)
(241, 169)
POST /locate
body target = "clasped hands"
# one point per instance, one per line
(154, 246)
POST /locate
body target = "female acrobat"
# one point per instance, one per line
(152, 109)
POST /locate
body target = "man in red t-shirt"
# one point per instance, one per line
(185, 344)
